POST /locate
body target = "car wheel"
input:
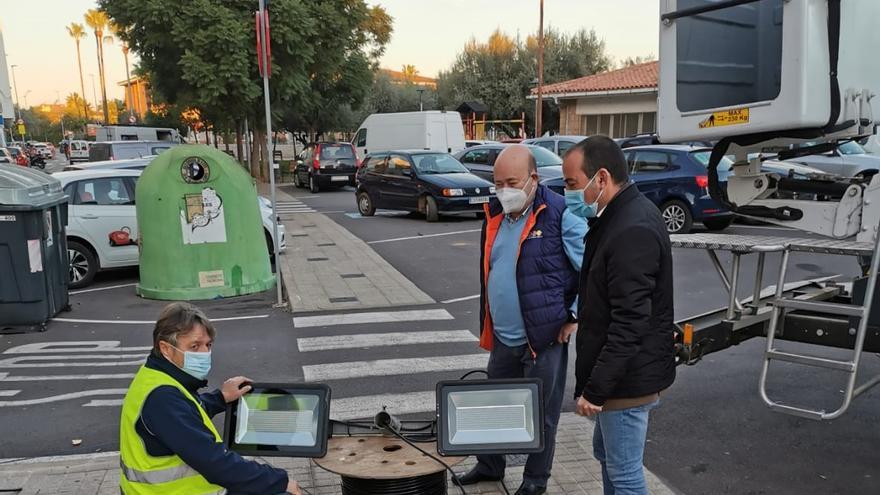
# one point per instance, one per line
(431, 212)
(83, 265)
(296, 180)
(365, 205)
(313, 184)
(677, 217)
(269, 246)
(718, 223)
(480, 215)
(352, 181)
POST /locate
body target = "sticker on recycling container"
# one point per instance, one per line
(7, 218)
(35, 255)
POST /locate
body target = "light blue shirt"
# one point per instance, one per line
(502, 289)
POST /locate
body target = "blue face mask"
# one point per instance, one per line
(196, 364)
(574, 201)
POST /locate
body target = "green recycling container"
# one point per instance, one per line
(201, 236)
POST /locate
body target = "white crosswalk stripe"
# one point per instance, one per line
(293, 206)
(417, 332)
(387, 367)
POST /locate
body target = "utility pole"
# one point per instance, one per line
(540, 103)
(263, 34)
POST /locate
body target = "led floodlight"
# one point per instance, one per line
(289, 420)
(490, 417)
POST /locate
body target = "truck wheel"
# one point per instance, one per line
(717, 223)
(313, 185)
(365, 205)
(677, 217)
(431, 212)
(83, 264)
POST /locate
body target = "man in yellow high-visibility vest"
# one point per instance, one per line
(168, 445)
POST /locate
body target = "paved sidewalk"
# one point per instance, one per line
(574, 471)
(325, 267)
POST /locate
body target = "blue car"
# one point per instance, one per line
(675, 178)
(427, 182)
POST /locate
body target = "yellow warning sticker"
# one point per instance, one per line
(727, 117)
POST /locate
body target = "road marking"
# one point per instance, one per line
(62, 397)
(104, 403)
(74, 346)
(460, 299)
(371, 317)
(328, 343)
(5, 377)
(365, 407)
(385, 367)
(358, 216)
(8, 393)
(59, 458)
(151, 322)
(15, 362)
(101, 288)
(425, 236)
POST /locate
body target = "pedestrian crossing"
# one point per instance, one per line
(390, 359)
(293, 206)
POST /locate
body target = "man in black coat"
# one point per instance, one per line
(625, 346)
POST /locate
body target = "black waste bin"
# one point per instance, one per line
(34, 269)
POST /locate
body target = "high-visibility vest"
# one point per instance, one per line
(143, 474)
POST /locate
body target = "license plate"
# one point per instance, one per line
(479, 200)
(339, 178)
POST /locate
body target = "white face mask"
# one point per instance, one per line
(513, 200)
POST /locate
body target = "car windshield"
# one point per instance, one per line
(336, 151)
(703, 158)
(544, 157)
(438, 163)
(851, 148)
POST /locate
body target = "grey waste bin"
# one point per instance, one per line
(34, 270)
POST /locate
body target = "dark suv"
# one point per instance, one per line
(428, 182)
(322, 165)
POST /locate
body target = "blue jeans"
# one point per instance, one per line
(619, 445)
(550, 366)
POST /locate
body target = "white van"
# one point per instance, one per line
(434, 130)
(78, 151)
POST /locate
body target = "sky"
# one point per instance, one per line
(427, 34)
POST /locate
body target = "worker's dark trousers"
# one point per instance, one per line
(550, 366)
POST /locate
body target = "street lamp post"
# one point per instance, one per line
(25, 97)
(15, 87)
(420, 91)
(94, 91)
(540, 103)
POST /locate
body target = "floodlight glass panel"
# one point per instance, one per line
(282, 420)
(490, 417)
(277, 419)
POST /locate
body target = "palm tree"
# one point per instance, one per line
(98, 21)
(410, 72)
(119, 32)
(77, 32)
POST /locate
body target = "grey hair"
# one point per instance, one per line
(179, 318)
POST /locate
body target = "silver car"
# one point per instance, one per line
(847, 160)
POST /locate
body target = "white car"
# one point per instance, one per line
(78, 151)
(101, 202)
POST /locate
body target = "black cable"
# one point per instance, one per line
(455, 480)
(471, 372)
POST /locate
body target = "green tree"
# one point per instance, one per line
(201, 54)
(640, 59)
(98, 21)
(77, 32)
(501, 72)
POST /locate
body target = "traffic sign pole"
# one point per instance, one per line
(263, 37)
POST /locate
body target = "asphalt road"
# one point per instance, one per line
(711, 434)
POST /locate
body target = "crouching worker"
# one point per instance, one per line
(167, 443)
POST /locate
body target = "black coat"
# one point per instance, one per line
(625, 346)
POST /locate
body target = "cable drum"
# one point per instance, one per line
(431, 484)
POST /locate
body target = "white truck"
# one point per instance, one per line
(136, 133)
(435, 130)
(757, 75)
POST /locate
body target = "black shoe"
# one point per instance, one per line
(530, 489)
(473, 477)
